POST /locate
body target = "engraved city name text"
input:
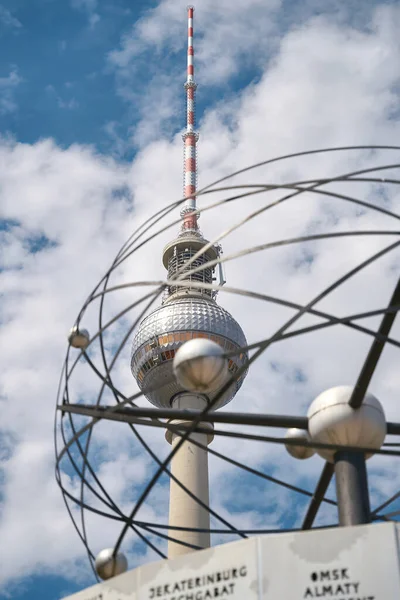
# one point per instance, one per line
(335, 584)
(219, 584)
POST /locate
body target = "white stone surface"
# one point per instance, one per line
(229, 571)
(352, 563)
(121, 587)
(346, 563)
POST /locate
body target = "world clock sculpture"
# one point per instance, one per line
(189, 357)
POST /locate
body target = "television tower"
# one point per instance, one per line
(187, 313)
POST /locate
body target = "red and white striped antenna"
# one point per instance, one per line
(189, 212)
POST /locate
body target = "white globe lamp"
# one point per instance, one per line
(331, 420)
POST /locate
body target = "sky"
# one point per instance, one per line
(91, 114)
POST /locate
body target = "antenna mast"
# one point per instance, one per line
(189, 212)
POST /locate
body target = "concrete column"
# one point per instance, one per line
(190, 467)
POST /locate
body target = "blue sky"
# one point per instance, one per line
(65, 90)
(55, 55)
(91, 110)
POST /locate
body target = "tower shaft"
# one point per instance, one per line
(190, 466)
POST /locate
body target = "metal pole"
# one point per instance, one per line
(350, 468)
(127, 414)
(319, 494)
(357, 480)
(352, 488)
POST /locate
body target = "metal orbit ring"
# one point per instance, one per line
(82, 411)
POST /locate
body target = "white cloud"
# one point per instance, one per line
(89, 7)
(329, 84)
(68, 104)
(8, 85)
(234, 42)
(227, 35)
(8, 20)
(71, 104)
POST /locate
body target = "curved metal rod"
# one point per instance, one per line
(386, 503)
(171, 538)
(205, 189)
(58, 473)
(210, 188)
(241, 370)
(141, 421)
(352, 272)
(167, 471)
(297, 186)
(347, 321)
(357, 397)
(59, 481)
(396, 513)
(84, 455)
(108, 515)
(272, 299)
(179, 430)
(293, 155)
(224, 521)
(182, 430)
(214, 513)
(131, 399)
(109, 379)
(307, 238)
(326, 150)
(298, 191)
(108, 372)
(155, 293)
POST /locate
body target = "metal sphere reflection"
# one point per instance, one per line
(107, 565)
(200, 366)
(79, 338)
(300, 452)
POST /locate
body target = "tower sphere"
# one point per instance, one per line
(200, 366)
(163, 332)
(108, 566)
(300, 452)
(331, 420)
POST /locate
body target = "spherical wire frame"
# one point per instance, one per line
(137, 240)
